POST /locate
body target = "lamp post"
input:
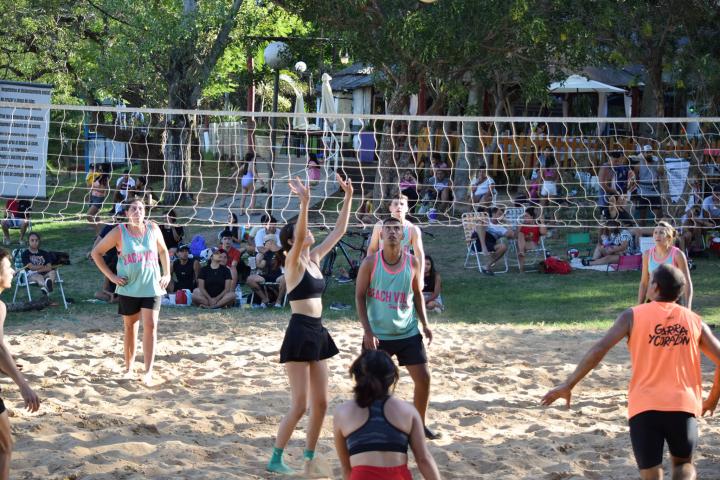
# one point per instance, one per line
(275, 56)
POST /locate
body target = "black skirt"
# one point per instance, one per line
(306, 340)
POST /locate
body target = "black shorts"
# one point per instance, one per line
(490, 242)
(409, 351)
(132, 305)
(306, 340)
(2, 406)
(650, 430)
(271, 277)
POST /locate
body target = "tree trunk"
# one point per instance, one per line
(468, 158)
(386, 180)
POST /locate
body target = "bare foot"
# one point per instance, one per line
(147, 379)
(128, 375)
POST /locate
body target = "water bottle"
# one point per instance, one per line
(238, 296)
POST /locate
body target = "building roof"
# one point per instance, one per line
(358, 75)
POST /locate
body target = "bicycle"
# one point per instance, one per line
(328, 263)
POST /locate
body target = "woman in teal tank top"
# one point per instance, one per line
(140, 285)
(664, 252)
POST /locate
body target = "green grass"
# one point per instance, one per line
(584, 299)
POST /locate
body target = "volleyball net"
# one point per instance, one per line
(572, 172)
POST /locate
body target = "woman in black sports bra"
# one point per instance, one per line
(373, 431)
(307, 344)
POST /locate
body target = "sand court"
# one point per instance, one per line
(220, 392)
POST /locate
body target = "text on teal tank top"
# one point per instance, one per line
(389, 299)
(138, 262)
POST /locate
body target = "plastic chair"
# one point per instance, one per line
(513, 215)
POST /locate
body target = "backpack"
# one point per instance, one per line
(197, 245)
(555, 265)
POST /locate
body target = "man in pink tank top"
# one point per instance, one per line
(665, 392)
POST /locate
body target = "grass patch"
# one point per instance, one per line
(584, 299)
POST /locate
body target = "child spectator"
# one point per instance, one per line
(313, 169)
(432, 288)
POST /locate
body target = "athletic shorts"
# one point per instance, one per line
(367, 472)
(650, 430)
(409, 351)
(132, 305)
(14, 222)
(96, 201)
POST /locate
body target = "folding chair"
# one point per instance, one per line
(469, 222)
(264, 287)
(626, 263)
(21, 278)
(513, 215)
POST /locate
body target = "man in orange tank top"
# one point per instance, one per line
(665, 392)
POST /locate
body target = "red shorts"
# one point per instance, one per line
(366, 472)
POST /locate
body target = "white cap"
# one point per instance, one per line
(647, 148)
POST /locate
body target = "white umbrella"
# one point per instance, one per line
(580, 84)
(327, 102)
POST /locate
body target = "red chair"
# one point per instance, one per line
(626, 263)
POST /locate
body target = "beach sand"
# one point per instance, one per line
(220, 394)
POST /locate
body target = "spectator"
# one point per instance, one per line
(215, 285)
(172, 233)
(621, 243)
(365, 212)
(232, 255)
(664, 252)
(247, 182)
(432, 287)
(711, 207)
(233, 227)
(439, 190)
(266, 239)
(98, 192)
(118, 203)
(185, 271)
(107, 291)
(313, 169)
(39, 264)
(125, 183)
(17, 215)
(611, 198)
(94, 172)
(483, 190)
(648, 172)
(488, 238)
(549, 175)
(528, 237)
(270, 271)
(408, 187)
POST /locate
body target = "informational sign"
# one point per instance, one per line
(23, 139)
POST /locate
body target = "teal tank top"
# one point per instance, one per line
(138, 262)
(389, 299)
(654, 262)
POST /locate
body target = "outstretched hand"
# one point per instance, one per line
(563, 391)
(346, 185)
(300, 189)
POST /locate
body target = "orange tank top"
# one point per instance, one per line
(665, 353)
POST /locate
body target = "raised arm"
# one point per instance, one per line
(341, 224)
(620, 329)
(300, 232)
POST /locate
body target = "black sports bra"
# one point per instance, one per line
(309, 287)
(377, 434)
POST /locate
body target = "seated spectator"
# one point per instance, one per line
(270, 271)
(236, 231)
(172, 233)
(125, 184)
(215, 285)
(488, 238)
(528, 237)
(612, 199)
(39, 264)
(711, 207)
(118, 203)
(185, 271)
(432, 288)
(549, 176)
(408, 187)
(365, 212)
(647, 197)
(482, 189)
(621, 242)
(17, 215)
(232, 254)
(267, 239)
(141, 188)
(439, 190)
(313, 169)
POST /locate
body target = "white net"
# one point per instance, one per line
(208, 164)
